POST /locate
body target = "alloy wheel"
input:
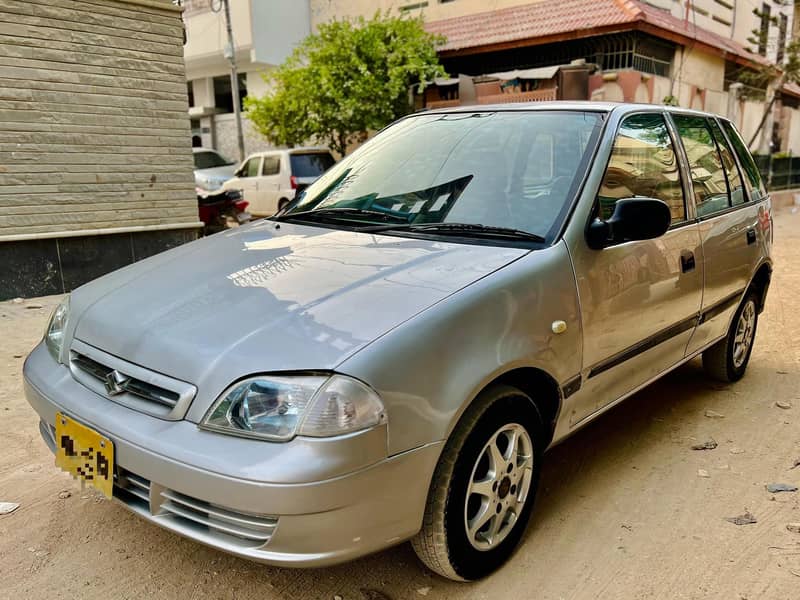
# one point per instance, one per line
(745, 329)
(498, 486)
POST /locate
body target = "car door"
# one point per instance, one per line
(639, 299)
(268, 185)
(731, 231)
(248, 174)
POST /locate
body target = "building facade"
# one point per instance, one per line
(264, 32)
(95, 153)
(689, 52)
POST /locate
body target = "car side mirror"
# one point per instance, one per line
(633, 219)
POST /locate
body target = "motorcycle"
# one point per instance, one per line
(222, 209)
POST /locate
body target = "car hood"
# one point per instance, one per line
(268, 297)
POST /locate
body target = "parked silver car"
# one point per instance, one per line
(411, 335)
(211, 169)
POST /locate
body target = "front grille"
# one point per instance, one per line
(142, 389)
(250, 529)
(129, 384)
(192, 516)
(131, 488)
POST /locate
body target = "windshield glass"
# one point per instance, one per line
(502, 169)
(209, 159)
(310, 165)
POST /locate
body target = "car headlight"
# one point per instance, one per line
(278, 408)
(54, 338)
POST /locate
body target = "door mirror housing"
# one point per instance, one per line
(633, 219)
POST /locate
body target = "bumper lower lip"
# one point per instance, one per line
(309, 524)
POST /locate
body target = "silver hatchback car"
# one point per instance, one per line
(390, 356)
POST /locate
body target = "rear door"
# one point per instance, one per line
(639, 299)
(269, 185)
(730, 230)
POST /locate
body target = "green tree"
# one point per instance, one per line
(778, 75)
(351, 77)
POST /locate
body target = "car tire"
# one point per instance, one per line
(727, 359)
(282, 204)
(474, 484)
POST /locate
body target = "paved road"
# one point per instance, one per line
(622, 512)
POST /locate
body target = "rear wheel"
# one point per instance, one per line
(282, 204)
(727, 359)
(483, 488)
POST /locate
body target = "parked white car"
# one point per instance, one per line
(270, 180)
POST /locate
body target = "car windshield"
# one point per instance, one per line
(506, 169)
(311, 165)
(209, 159)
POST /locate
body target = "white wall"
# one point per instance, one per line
(278, 26)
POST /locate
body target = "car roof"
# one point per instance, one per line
(564, 105)
(299, 150)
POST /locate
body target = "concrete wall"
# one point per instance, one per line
(94, 139)
(278, 26)
(93, 125)
(225, 138)
(206, 36)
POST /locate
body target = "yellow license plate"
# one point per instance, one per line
(85, 454)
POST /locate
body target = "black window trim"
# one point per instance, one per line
(750, 201)
(738, 160)
(732, 152)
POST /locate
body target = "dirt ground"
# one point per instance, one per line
(623, 512)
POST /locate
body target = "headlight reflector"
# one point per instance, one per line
(54, 338)
(278, 408)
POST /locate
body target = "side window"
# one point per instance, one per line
(272, 165)
(251, 170)
(643, 163)
(754, 183)
(708, 175)
(731, 169)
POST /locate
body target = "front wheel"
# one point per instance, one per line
(483, 488)
(727, 359)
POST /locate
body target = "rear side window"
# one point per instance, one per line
(643, 163)
(709, 182)
(310, 165)
(755, 185)
(731, 169)
(272, 165)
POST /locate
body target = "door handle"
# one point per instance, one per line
(687, 261)
(751, 236)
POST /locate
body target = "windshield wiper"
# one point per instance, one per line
(463, 229)
(333, 212)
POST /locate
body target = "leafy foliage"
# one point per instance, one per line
(758, 79)
(351, 77)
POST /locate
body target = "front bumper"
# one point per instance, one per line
(248, 509)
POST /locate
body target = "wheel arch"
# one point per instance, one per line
(760, 283)
(538, 385)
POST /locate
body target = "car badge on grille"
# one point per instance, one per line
(115, 383)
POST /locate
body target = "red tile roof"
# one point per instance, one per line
(792, 88)
(557, 20)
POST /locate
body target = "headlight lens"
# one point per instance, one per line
(54, 338)
(278, 408)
